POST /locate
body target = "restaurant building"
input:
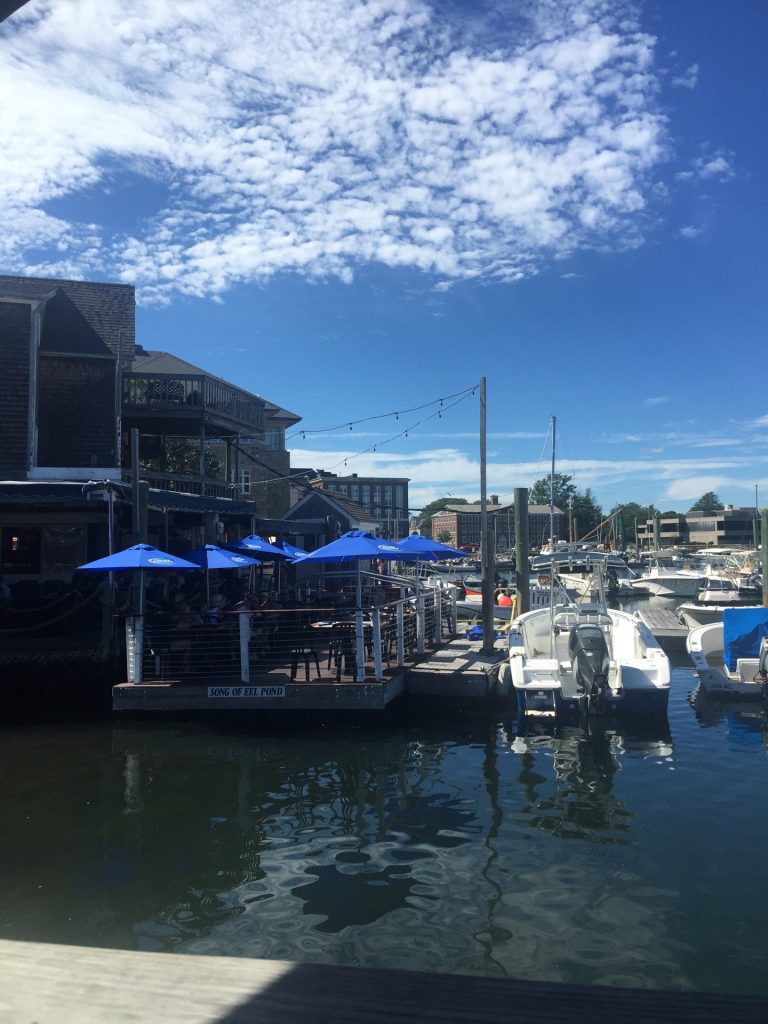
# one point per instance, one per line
(100, 438)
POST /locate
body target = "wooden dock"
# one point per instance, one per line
(276, 691)
(458, 670)
(665, 625)
(49, 984)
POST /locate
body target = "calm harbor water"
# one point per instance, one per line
(432, 843)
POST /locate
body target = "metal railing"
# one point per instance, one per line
(164, 392)
(306, 643)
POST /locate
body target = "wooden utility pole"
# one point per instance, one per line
(522, 548)
(486, 553)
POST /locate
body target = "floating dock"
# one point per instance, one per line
(81, 985)
(665, 626)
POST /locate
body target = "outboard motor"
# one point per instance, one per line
(590, 659)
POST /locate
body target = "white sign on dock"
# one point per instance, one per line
(246, 691)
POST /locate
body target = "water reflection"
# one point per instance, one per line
(338, 833)
(747, 719)
(585, 759)
(476, 846)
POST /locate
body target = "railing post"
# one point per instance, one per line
(138, 649)
(378, 668)
(244, 626)
(400, 634)
(130, 650)
(359, 645)
(420, 622)
(438, 624)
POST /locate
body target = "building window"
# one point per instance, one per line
(274, 439)
(21, 549)
(245, 481)
(355, 492)
(366, 494)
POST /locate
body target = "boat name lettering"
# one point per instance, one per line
(246, 691)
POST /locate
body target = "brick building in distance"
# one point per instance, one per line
(459, 525)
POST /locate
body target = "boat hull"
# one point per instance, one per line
(549, 677)
(705, 649)
(544, 702)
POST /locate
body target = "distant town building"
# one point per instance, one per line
(384, 498)
(728, 527)
(459, 525)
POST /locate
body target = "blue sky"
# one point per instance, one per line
(356, 209)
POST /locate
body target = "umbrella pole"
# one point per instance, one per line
(359, 642)
(138, 635)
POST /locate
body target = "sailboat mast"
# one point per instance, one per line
(552, 490)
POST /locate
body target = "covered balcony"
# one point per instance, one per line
(189, 404)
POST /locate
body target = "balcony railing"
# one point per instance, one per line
(165, 393)
(184, 484)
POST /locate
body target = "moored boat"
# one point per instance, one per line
(730, 657)
(580, 657)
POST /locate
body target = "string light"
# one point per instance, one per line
(303, 431)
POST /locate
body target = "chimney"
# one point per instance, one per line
(494, 499)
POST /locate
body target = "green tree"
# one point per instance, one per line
(630, 514)
(445, 536)
(563, 491)
(180, 456)
(586, 512)
(708, 502)
(424, 521)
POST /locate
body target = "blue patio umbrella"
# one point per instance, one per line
(258, 548)
(209, 556)
(291, 550)
(424, 549)
(141, 557)
(356, 546)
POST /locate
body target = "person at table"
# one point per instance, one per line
(186, 617)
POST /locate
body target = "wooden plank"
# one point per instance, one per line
(50, 984)
(458, 669)
(663, 623)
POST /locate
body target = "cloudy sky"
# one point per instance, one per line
(359, 209)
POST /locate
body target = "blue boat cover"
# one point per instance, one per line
(743, 629)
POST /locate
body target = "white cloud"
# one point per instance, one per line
(437, 472)
(656, 400)
(688, 79)
(688, 231)
(710, 166)
(318, 135)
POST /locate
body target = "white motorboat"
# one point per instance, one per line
(716, 594)
(580, 657)
(663, 581)
(730, 657)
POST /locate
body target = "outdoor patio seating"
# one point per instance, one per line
(302, 650)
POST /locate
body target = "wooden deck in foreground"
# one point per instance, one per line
(49, 984)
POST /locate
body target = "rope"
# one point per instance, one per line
(59, 618)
